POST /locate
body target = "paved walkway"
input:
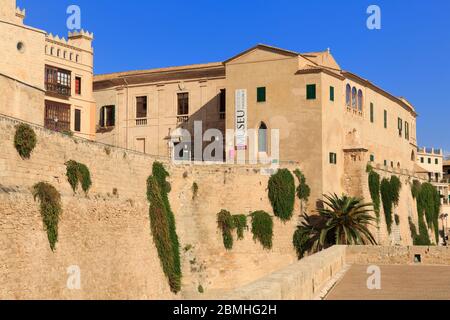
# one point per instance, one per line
(397, 283)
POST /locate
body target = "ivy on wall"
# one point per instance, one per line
(303, 190)
(227, 223)
(24, 140)
(421, 238)
(78, 173)
(162, 224)
(50, 206)
(240, 222)
(374, 188)
(390, 196)
(282, 194)
(262, 228)
(428, 206)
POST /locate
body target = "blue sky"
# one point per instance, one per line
(408, 57)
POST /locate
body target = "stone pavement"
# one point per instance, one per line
(399, 282)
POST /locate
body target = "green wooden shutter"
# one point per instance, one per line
(385, 119)
(261, 94)
(311, 92)
(331, 93)
(371, 113)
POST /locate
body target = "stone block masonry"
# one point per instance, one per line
(107, 233)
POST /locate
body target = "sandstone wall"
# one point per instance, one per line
(107, 234)
(398, 255)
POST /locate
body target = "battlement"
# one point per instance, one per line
(20, 13)
(81, 34)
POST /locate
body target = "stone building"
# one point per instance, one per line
(331, 121)
(45, 79)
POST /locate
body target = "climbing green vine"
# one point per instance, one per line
(162, 224)
(374, 188)
(390, 196)
(227, 223)
(240, 223)
(262, 228)
(428, 207)
(24, 140)
(78, 173)
(282, 194)
(303, 190)
(50, 206)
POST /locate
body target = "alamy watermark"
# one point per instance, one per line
(74, 278)
(374, 280)
(374, 19)
(74, 20)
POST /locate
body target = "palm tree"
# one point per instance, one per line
(340, 221)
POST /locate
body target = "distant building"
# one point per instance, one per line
(45, 79)
(330, 120)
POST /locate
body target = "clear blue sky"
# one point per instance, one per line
(408, 57)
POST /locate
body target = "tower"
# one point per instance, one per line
(10, 13)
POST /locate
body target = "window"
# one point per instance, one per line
(429, 160)
(400, 127)
(333, 158)
(348, 93)
(385, 119)
(372, 116)
(436, 161)
(360, 101)
(311, 92)
(372, 158)
(261, 94)
(385, 163)
(331, 93)
(141, 107)
(392, 164)
(183, 104)
(262, 138)
(77, 85)
(77, 127)
(58, 81)
(422, 160)
(107, 116)
(57, 116)
(222, 103)
(354, 98)
(406, 130)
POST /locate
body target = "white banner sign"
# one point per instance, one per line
(241, 119)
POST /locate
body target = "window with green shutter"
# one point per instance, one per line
(372, 118)
(436, 161)
(372, 158)
(406, 130)
(333, 158)
(331, 93)
(400, 127)
(310, 91)
(385, 119)
(261, 94)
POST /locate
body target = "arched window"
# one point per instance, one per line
(52, 51)
(360, 100)
(354, 98)
(46, 49)
(413, 156)
(77, 57)
(65, 54)
(262, 138)
(348, 93)
(58, 53)
(71, 56)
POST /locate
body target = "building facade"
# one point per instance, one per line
(45, 79)
(331, 121)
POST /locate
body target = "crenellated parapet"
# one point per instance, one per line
(20, 13)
